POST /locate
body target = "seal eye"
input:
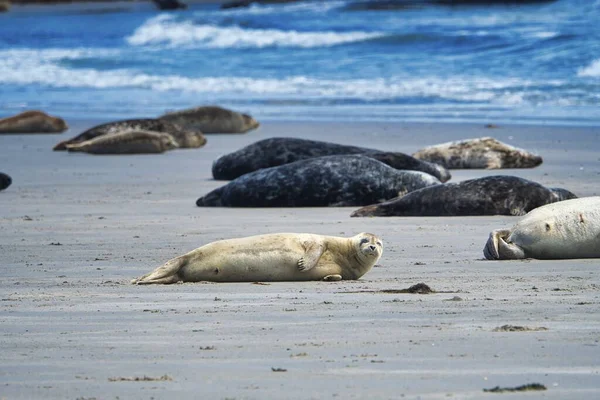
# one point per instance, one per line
(363, 241)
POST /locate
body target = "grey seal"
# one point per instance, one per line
(569, 229)
(345, 180)
(128, 142)
(279, 151)
(491, 195)
(5, 181)
(273, 257)
(185, 138)
(212, 119)
(483, 153)
(32, 122)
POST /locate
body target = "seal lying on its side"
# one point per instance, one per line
(5, 181)
(212, 119)
(317, 182)
(278, 151)
(491, 195)
(131, 142)
(185, 138)
(486, 153)
(273, 257)
(32, 122)
(569, 229)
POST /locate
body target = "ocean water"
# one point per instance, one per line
(318, 60)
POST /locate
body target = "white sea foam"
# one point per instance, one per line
(44, 67)
(592, 70)
(302, 6)
(166, 30)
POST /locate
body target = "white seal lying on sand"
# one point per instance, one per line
(130, 142)
(568, 229)
(273, 257)
(32, 122)
(212, 119)
(484, 153)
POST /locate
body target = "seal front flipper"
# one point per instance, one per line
(497, 248)
(313, 251)
(332, 278)
(165, 274)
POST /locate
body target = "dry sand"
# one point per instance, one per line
(75, 228)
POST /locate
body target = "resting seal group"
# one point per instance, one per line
(279, 151)
(317, 182)
(273, 257)
(185, 138)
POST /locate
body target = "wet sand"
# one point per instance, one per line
(75, 228)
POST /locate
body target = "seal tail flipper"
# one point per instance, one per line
(61, 146)
(165, 274)
(497, 248)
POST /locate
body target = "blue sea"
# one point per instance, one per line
(313, 60)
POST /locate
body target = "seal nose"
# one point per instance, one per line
(372, 247)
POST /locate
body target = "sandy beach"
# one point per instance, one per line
(75, 228)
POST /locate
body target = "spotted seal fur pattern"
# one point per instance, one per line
(483, 153)
(279, 151)
(32, 122)
(273, 257)
(5, 181)
(345, 180)
(185, 138)
(491, 195)
(212, 119)
(128, 142)
(568, 229)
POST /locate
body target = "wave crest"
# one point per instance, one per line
(165, 30)
(592, 70)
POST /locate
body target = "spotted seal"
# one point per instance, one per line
(128, 142)
(345, 180)
(279, 151)
(185, 138)
(5, 181)
(32, 122)
(484, 153)
(569, 229)
(212, 119)
(273, 257)
(491, 195)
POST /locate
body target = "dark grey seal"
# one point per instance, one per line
(347, 180)
(212, 119)
(185, 138)
(5, 181)
(492, 195)
(279, 151)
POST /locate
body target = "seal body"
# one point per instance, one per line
(491, 195)
(317, 182)
(273, 257)
(5, 181)
(569, 229)
(483, 153)
(185, 138)
(279, 151)
(32, 122)
(130, 142)
(212, 119)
